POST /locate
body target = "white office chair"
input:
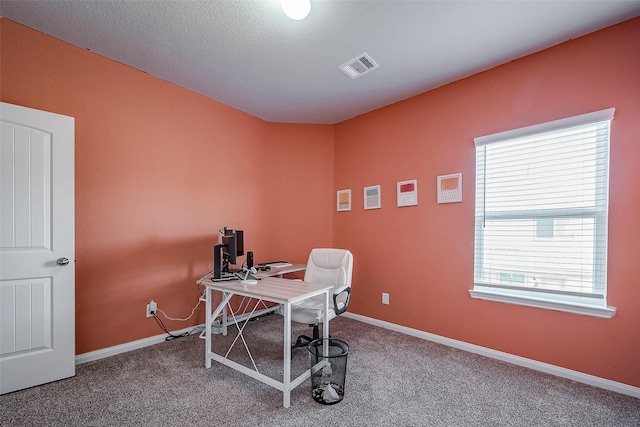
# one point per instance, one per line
(325, 267)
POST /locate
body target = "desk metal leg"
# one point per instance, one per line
(207, 328)
(225, 320)
(325, 324)
(286, 382)
(210, 317)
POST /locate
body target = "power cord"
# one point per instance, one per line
(170, 335)
(162, 325)
(178, 319)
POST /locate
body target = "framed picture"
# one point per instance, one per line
(344, 200)
(450, 188)
(408, 193)
(372, 197)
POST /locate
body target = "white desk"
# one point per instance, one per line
(273, 289)
(273, 271)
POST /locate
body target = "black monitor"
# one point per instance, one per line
(228, 251)
(230, 247)
(239, 234)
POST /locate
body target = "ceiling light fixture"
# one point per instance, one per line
(296, 9)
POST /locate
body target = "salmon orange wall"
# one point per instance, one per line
(423, 255)
(159, 170)
(152, 186)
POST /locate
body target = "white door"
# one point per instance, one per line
(37, 247)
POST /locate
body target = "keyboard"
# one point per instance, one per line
(275, 264)
(280, 264)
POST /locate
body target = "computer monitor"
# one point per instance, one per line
(230, 247)
(228, 251)
(239, 240)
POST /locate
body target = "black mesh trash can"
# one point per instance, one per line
(328, 358)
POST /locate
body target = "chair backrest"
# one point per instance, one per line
(328, 266)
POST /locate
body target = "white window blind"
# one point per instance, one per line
(541, 213)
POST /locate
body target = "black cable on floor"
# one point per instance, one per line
(170, 335)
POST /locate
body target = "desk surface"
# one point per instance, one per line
(279, 271)
(273, 289)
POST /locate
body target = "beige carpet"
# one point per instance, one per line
(392, 380)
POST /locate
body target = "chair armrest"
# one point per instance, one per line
(346, 303)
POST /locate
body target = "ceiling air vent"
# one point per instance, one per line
(358, 66)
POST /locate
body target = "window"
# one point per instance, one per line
(541, 215)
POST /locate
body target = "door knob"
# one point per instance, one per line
(63, 261)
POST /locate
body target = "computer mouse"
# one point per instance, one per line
(249, 282)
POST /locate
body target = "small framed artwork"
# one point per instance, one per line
(450, 188)
(372, 197)
(344, 200)
(408, 193)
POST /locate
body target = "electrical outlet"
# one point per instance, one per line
(385, 298)
(152, 307)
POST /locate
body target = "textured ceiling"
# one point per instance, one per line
(249, 55)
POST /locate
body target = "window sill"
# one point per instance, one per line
(588, 310)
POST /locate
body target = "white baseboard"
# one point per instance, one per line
(123, 348)
(505, 357)
(145, 342)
